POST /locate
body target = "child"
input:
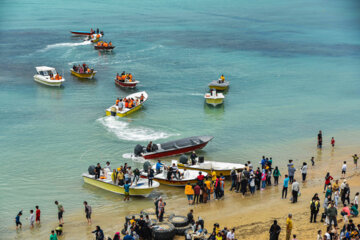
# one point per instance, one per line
(17, 220)
(32, 218)
(343, 170)
(332, 142)
(294, 237)
(336, 198)
(37, 213)
(59, 230)
(127, 191)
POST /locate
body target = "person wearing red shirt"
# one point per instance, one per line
(197, 193)
(37, 213)
(200, 179)
(328, 179)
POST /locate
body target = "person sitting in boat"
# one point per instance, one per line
(193, 157)
(137, 102)
(175, 171)
(105, 44)
(99, 43)
(158, 166)
(126, 103)
(75, 68)
(97, 30)
(58, 77)
(97, 36)
(222, 78)
(81, 70)
(92, 31)
(123, 73)
(123, 77)
(130, 77)
(142, 98)
(97, 171)
(117, 101)
(130, 103)
(110, 44)
(149, 147)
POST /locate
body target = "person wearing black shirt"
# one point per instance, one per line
(97, 171)
(193, 157)
(274, 231)
(190, 217)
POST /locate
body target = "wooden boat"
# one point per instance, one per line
(83, 75)
(207, 166)
(188, 176)
(83, 33)
(141, 189)
(46, 75)
(173, 147)
(219, 85)
(214, 98)
(126, 83)
(115, 111)
(102, 48)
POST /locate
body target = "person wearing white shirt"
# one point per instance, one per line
(356, 200)
(32, 218)
(343, 170)
(231, 235)
(304, 171)
(295, 190)
(319, 237)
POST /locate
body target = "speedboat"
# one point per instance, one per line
(140, 188)
(87, 74)
(223, 168)
(83, 33)
(173, 147)
(95, 37)
(103, 46)
(219, 85)
(167, 178)
(48, 76)
(115, 111)
(127, 83)
(214, 98)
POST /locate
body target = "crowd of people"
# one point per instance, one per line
(124, 77)
(82, 68)
(129, 103)
(104, 44)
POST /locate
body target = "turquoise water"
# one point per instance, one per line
(293, 68)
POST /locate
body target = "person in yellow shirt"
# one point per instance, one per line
(120, 177)
(189, 192)
(213, 176)
(114, 176)
(289, 226)
(335, 186)
(208, 186)
(222, 78)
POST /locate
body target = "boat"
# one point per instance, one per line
(83, 33)
(188, 176)
(94, 38)
(223, 168)
(48, 76)
(125, 83)
(219, 85)
(115, 111)
(90, 73)
(213, 98)
(141, 189)
(103, 47)
(173, 147)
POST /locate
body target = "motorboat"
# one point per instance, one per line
(223, 168)
(165, 177)
(103, 46)
(126, 83)
(89, 73)
(94, 38)
(83, 33)
(48, 76)
(114, 110)
(214, 98)
(173, 147)
(140, 188)
(219, 85)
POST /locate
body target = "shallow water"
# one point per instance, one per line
(293, 68)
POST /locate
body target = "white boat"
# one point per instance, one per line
(140, 188)
(48, 76)
(223, 168)
(186, 176)
(115, 111)
(214, 98)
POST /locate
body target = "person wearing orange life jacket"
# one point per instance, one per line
(98, 36)
(141, 98)
(99, 44)
(57, 77)
(126, 103)
(117, 101)
(130, 77)
(105, 44)
(123, 77)
(110, 44)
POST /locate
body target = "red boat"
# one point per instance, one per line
(126, 83)
(173, 147)
(84, 33)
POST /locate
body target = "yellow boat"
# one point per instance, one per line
(219, 85)
(223, 168)
(141, 189)
(83, 75)
(214, 98)
(115, 111)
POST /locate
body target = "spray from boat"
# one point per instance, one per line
(59, 45)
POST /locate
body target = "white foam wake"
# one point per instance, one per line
(57, 45)
(125, 131)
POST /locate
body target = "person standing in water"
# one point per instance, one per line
(356, 158)
(312, 161)
(88, 212)
(332, 142)
(319, 145)
(32, 218)
(304, 171)
(17, 220)
(37, 213)
(60, 212)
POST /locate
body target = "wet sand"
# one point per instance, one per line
(252, 216)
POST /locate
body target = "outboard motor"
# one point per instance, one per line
(91, 170)
(138, 150)
(154, 148)
(113, 111)
(201, 159)
(147, 166)
(183, 159)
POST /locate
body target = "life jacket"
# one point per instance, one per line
(57, 77)
(130, 104)
(142, 98)
(123, 77)
(117, 102)
(189, 190)
(110, 43)
(126, 104)
(99, 43)
(105, 44)
(118, 77)
(98, 36)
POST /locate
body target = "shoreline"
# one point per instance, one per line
(251, 216)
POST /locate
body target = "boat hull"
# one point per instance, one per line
(214, 102)
(218, 172)
(108, 113)
(101, 48)
(81, 33)
(221, 88)
(83, 75)
(47, 83)
(174, 151)
(179, 183)
(126, 84)
(117, 189)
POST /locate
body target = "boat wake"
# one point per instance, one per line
(133, 158)
(57, 45)
(125, 131)
(196, 94)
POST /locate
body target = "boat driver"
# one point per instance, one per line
(193, 157)
(149, 147)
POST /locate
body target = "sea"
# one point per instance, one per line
(293, 67)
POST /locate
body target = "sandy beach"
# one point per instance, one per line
(252, 216)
